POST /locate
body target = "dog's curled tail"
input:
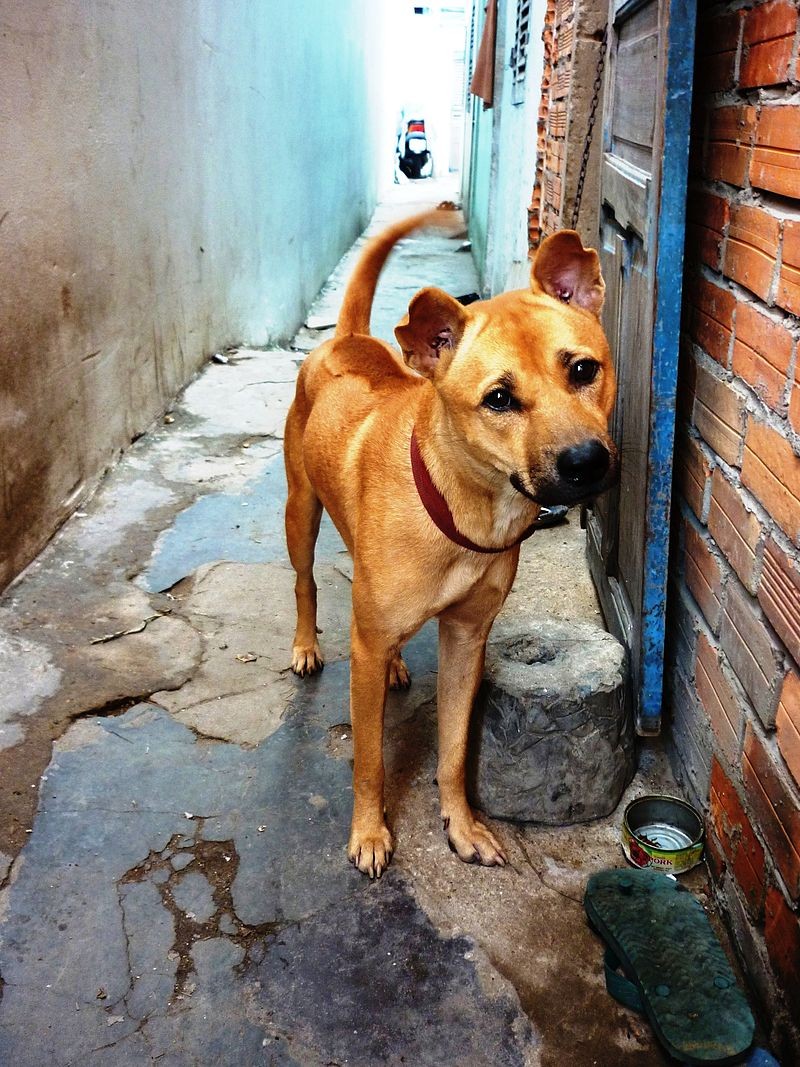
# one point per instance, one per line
(357, 304)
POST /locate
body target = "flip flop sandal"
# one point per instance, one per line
(673, 967)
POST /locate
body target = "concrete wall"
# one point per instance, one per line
(174, 177)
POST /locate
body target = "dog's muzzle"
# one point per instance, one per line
(582, 472)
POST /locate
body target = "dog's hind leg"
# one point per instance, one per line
(303, 514)
(399, 674)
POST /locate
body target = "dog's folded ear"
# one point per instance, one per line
(566, 270)
(429, 333)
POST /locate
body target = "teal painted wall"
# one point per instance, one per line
(477, 180)
(480, 183)
(175, 176)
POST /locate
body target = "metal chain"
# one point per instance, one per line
(598, 82)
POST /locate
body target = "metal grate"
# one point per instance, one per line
(519, 53)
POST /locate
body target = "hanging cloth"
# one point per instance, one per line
(482, 83)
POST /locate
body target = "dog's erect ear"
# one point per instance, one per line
(563, 268)
(430, 332)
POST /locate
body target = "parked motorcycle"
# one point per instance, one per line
(414, 156)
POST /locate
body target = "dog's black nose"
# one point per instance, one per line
(584, 464)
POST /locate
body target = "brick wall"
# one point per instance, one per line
(572, 33)
(550, 132)
(734, 669)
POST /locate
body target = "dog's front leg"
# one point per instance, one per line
(370, 846)
(462, 649)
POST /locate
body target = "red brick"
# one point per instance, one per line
(789, 282)
(703, 576)
(735, 529)
(771, 471)
(752, 248)
(776, 163)
(756, 657)
(716, 73)
(687, 378)
(708, 216)
(779, 596)
(713, 855)
(562, 80)
(712, 318)
(794, 408)
(719, 415)
(720, 700)
(768, 39)
(782, 935)
(566, 36)
(776, 808)
(558, 120)
(692, 474)
(762, 352)
(730, 136)
(787, 724)
(766, 22)
(718, 45)
(719, 33)
(737, 839)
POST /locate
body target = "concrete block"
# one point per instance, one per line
(550, 741)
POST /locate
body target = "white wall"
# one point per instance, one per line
(513, 164)
(174, 176)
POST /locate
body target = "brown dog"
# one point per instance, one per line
(432, 475)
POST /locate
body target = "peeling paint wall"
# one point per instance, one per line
(174, 178)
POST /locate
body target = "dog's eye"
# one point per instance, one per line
(583, 371)
(499, 399)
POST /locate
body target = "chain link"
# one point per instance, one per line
(598, 82)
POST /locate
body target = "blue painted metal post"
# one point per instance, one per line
(668, 288)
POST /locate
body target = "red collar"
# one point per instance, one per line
(438, 509)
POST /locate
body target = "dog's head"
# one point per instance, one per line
(526, 380)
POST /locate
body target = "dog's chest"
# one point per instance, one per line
(455, 583)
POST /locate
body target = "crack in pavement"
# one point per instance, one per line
(218, 863)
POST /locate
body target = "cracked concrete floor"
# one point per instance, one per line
(174, 803)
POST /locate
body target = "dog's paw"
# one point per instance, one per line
(307, 660)
(399, 676)
(474, 842)
(370, 851)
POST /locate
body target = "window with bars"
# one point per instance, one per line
(519, 53)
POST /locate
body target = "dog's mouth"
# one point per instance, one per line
(559, 490)
(518, 484)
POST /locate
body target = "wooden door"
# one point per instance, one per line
(642, 193)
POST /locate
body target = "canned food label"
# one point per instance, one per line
(675, 861)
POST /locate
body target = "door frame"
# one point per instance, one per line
(667, 219)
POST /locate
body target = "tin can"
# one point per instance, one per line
(662, 832)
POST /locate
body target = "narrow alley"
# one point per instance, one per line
(184, 895)
(611, 338)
